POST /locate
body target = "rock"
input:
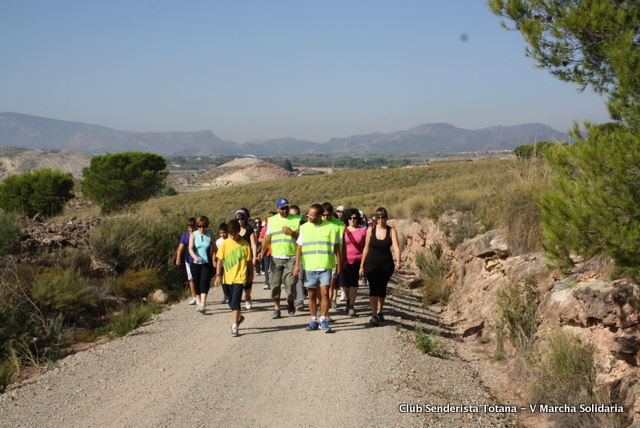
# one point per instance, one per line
(492, 243)
(159, 296)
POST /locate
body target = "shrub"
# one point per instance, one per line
(129, 244)
(73, 258)
(426, 343)
(42, 191)
(123, 322)
(9, 233)
(564, 373)
(7, 370)
(517, 306)
(135, 284)
(63, 291)
(465, 226)
(433, 271)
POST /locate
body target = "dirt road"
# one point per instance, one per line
(184, 369)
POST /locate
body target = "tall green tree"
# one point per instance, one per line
(594, 206)
(594, 43)
(43, 191)
(119, 181)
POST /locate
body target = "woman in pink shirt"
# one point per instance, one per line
(354, 238)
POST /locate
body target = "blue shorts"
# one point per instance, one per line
(235, 296)
(316, 278)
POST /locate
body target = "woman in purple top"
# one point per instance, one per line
(184, 256)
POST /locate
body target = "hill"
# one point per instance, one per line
(238, 171)
(14, 160)
(31, 132)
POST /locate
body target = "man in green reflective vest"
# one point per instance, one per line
(319, 251)
(282, 233)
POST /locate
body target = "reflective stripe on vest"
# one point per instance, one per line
(281, 243)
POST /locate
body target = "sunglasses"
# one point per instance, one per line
(202, 227)
(382, 217)
(353, 218)
(326, 215)
(241, 218)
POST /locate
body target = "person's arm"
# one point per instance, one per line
(254, 246)
(250, 267)
(218, 274)
(365, 252)
(213, 249)
(296, 265)
(337, 251)
(265, 246)
(179, 254)
(395, 246)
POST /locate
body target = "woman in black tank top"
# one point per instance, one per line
(381, 245)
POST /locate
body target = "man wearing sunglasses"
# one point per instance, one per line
(282, 233)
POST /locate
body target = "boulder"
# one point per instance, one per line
(159, 296)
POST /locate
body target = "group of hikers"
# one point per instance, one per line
(317, 254)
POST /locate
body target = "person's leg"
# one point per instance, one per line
(313, 307)
(289, 282)
(196, 272)
(192, 286)
(277, 273)
(235, 300)
(266, 267)
(205, 283)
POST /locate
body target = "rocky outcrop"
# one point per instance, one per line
(604, 312)
(37, 236)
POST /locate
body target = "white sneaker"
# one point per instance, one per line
(202, 308)
(234, 331)
(193, 301)
(343, 296)
(248, 304)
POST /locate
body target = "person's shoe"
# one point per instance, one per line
(248, 304)
(343, 296)
(352, 312)
(266, 287)
(225, 300)
(334, 304)
(276, 314)
(381, 317)
(202, 309)
(240, 319)
(312, 326)
(300, 307)
(234, 331)
(193, 301)
(325, 326)
(291, 308)
(374, 321)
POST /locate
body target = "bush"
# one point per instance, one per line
(130, 244)
(135, 284)
(63, 291)
(465, 226)
(433, 271)
(7, 370)
(426, 343)
(123, 322)
(9, 233)
(564, 373)
(42, 191)
(73, 258)
(517, 306)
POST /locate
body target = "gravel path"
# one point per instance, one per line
(184, 369)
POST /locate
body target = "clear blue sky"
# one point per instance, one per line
(308, 69)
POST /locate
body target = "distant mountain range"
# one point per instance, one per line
(32, 132)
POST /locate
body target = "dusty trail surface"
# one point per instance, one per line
(184, 369)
